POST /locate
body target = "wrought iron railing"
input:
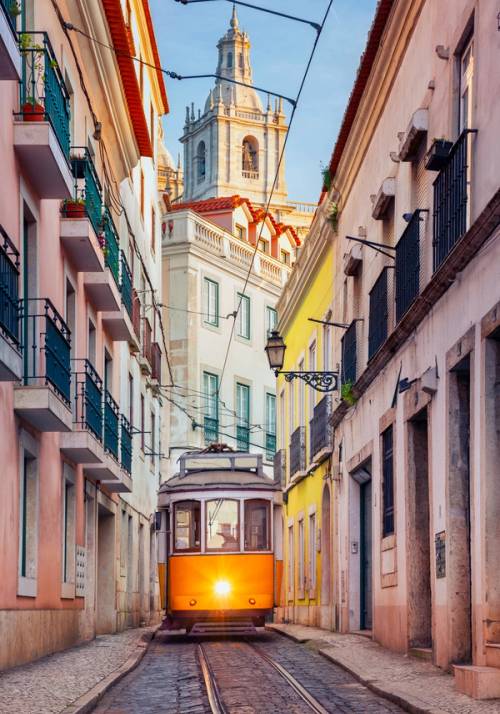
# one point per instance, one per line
(46, 346)
(126, 445)
(408, 266)
(11, 9)
(126, 284)
(379, 314)
(349, 354)
(43, 91)
(111, 425)
(211, 430)
(9, 289)
(297, 451)
(242, 438)
(87, 190)
(270, 446)
(88, 398)
(451, 198)
(156, 361)
(279, 464)
(111, 248)
(320, 430)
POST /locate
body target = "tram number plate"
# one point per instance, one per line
(440, 541)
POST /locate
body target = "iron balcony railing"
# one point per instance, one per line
(320, 430)
(270, 446)
(379, 314)
(349, 354)
(126, 284)
(87, 187)
(43, 92)
(111, 425)
(9, 289)
(88, 398)
(111, 248)
(279, 463)
(46, 346)
(211, 430)
(452, 199)
(407, 265)
(11, 9)
(242, 438)
(297, 451)
(156, 363)
(126, 445)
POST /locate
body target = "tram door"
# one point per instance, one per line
(365, 552)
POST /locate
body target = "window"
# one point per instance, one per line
(240, 232)
(153, 436)
(244, 316)
(312, 368)
(187, 526)
(242, 61)
(388, 482)
(68, 504)
(143, 420)
(270, 425)
(312, 551)
(223, 525)
(229, 60)
(131, 399)
(201, 161)
(210, 302)
(91, 349)
(211, 418)
(153, 230)
(327, 347)
(290, 559)
(291, 406)
(257, 525)
(28, 516)
(301, 574)
(301, 386)
(250, 157)
(466, 77)
(271, 320)
(242, 417)
(285, 257)
(264, 245)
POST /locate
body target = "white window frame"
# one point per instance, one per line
(244, 320)
(27, 586)
(271, 319)
(211, 294)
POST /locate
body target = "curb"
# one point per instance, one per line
(87, 702)
(406, 702)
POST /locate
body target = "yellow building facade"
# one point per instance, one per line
(304, 439)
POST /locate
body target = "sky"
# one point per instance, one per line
(187, 36)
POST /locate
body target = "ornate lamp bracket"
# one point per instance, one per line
(320, 381)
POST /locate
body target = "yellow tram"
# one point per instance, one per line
(217, 521)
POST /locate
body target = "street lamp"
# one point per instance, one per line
(321, 381)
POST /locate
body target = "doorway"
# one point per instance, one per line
(458, 535)
(105, 603)
(365, 555)
(419, 544)
(326, 558)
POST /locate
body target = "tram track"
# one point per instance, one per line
(214, 690)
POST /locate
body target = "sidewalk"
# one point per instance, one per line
(418, 687)
(53, 684)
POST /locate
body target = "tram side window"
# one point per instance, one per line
(187, 526)
(257, 531)
(223, 525)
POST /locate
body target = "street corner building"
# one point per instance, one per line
(397, 531)
(80, 331)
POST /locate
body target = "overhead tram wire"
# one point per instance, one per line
(273, 187)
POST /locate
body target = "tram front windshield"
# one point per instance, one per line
(222, 525)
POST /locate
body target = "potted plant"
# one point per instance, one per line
(74, 208)
(333, 215)
(31, 108)
(437, 156)
(327, 179)
(347, 394)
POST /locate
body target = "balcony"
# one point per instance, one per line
(270, 446)
(298, 453)
(10, 56)
(321, 435)
(11, 363)
(111, 425)
(242, 438)
(452, 198)
(119, 322)
(379, 314)
(279, 464)
(349, 368)
(44, 400)
(146, 358)
(81, 220)
(123, 484)
(103, 288)
(211, 430)
(41, 131)
(408, 266)
(84, 444)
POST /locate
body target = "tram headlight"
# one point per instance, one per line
(222, 587)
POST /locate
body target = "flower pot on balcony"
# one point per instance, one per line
(437, 156)
(74, 209)
(33, 111)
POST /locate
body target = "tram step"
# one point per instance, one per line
(223, 628)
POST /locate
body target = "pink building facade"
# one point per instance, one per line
(80, 339)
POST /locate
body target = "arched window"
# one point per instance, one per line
(250, 157)
(201, 161)
(242, 61)
(229, 59)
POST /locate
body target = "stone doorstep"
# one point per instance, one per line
(477, 682)
(87, 702)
